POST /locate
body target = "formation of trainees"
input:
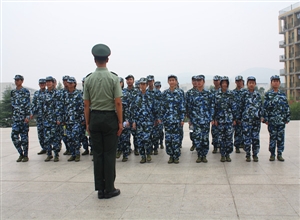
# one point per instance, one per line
(152, 116)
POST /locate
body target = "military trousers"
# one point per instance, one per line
(83, 137)
(40, 131)
(173, 139)
(52, 142)
(19, 137)
(143, 133)
(215, 135)
(73, 136)
(225, 131)
(124, 142)
(155, 136)
(103, 130)
(200, 138)
(238, 135)
(251, 130)
(276, 133)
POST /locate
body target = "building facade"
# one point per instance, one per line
(289, 27)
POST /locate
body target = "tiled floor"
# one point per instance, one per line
(156, 190)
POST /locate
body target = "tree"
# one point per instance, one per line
(5, 108)
(261, 91)
(59, 86)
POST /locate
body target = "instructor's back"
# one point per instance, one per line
(103, 113)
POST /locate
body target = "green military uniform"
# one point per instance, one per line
(101, 88)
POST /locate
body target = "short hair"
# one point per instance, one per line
(100, 59)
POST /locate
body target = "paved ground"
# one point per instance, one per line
(156, 190)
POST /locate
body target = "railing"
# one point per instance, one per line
(289, 8)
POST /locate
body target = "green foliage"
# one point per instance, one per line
(59, 86)
(295, 111)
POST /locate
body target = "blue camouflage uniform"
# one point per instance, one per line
(276, 113)
(20, 102)
(124, 139)
(83, 137)
(225, 114)
(37, 109)
(160, 126)
(172, 114)
(214, 129)
(73, 118)
(181, 127)
(200, 108)
(144, 111)
(238, 133)
(251, 113)
(52, 113)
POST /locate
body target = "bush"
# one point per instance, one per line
(295, 111)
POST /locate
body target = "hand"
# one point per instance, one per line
(134, 126)
(182, 123)
(212, 122)
(58, 122)
(216, 123)
(120, 129)
(26, 120)
(31, 116)
(127, 124)
(234, 122)
(88, 130)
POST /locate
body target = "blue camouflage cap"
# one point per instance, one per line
(239, 78)
(275, 77)
(49, 78)
(71, 80)
(216, 77)
(42, 80)
(136, 83)
(172, 76)
(121, 79)
(157, 83)
(150, 77)
(65, 77)
(101, 50)
(199, 77)
(224, 78)
(251, 78)
(18, 77)
(143, 80)
(129, 76)
(194, 77)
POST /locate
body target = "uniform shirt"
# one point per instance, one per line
(172, 106)
(251, 106)
(276, 108)
(20, 102)
(225, 107)
(144, 109)
(101, 88)
(238, 98)
(126, 100)
(73, 107)
(37, 103)
(52, 107)
(200, 106)
(189, 94)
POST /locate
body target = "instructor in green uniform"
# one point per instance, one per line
(103, 113)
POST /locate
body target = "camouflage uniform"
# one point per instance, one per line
(238, 131)
(73, 118)
(37, 109)
(172, 113)
(200, 111)
(189, 95)
(181, 127)
(276, 113)
(52, 113)
(124, 139)
(251, 113)
(20, 102)
(225, 114)
(144, 111)
(214, 128)
(62, 129)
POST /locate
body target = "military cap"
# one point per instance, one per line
(239, 78)
(54, 80)
(71, 80)
(42, 80)
(65, 77)
(224, 78)
(194, 77)
(150, 77)
(129, 76)
(199, 77)
(83, 79)
(143, 80)
(216, 77)
(157, 83)
(18, 77)
(275, 77)
(49, 78)
(137, 82)
(172, 76)
(121, 79)
(251, 78)
(101, 50)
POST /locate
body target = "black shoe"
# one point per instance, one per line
(42, 152)
(114, 193)
(215, 150)
(101, 194)
(20, 158)
(66, 152)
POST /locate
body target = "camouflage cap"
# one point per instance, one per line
(18, 77)
(172, 76)
(150, 77)
(71, 80)
(101, 50)
(216, 77)
(157, 83)
(121, 79)
(64, 78)
(239, 78)
(275, 77)
(49, 78)
(194, 77)
(42, 80)
(143, 80)
(251, 78)
(199, 77)
(129, 76)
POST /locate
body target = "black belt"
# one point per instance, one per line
(99, 111)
